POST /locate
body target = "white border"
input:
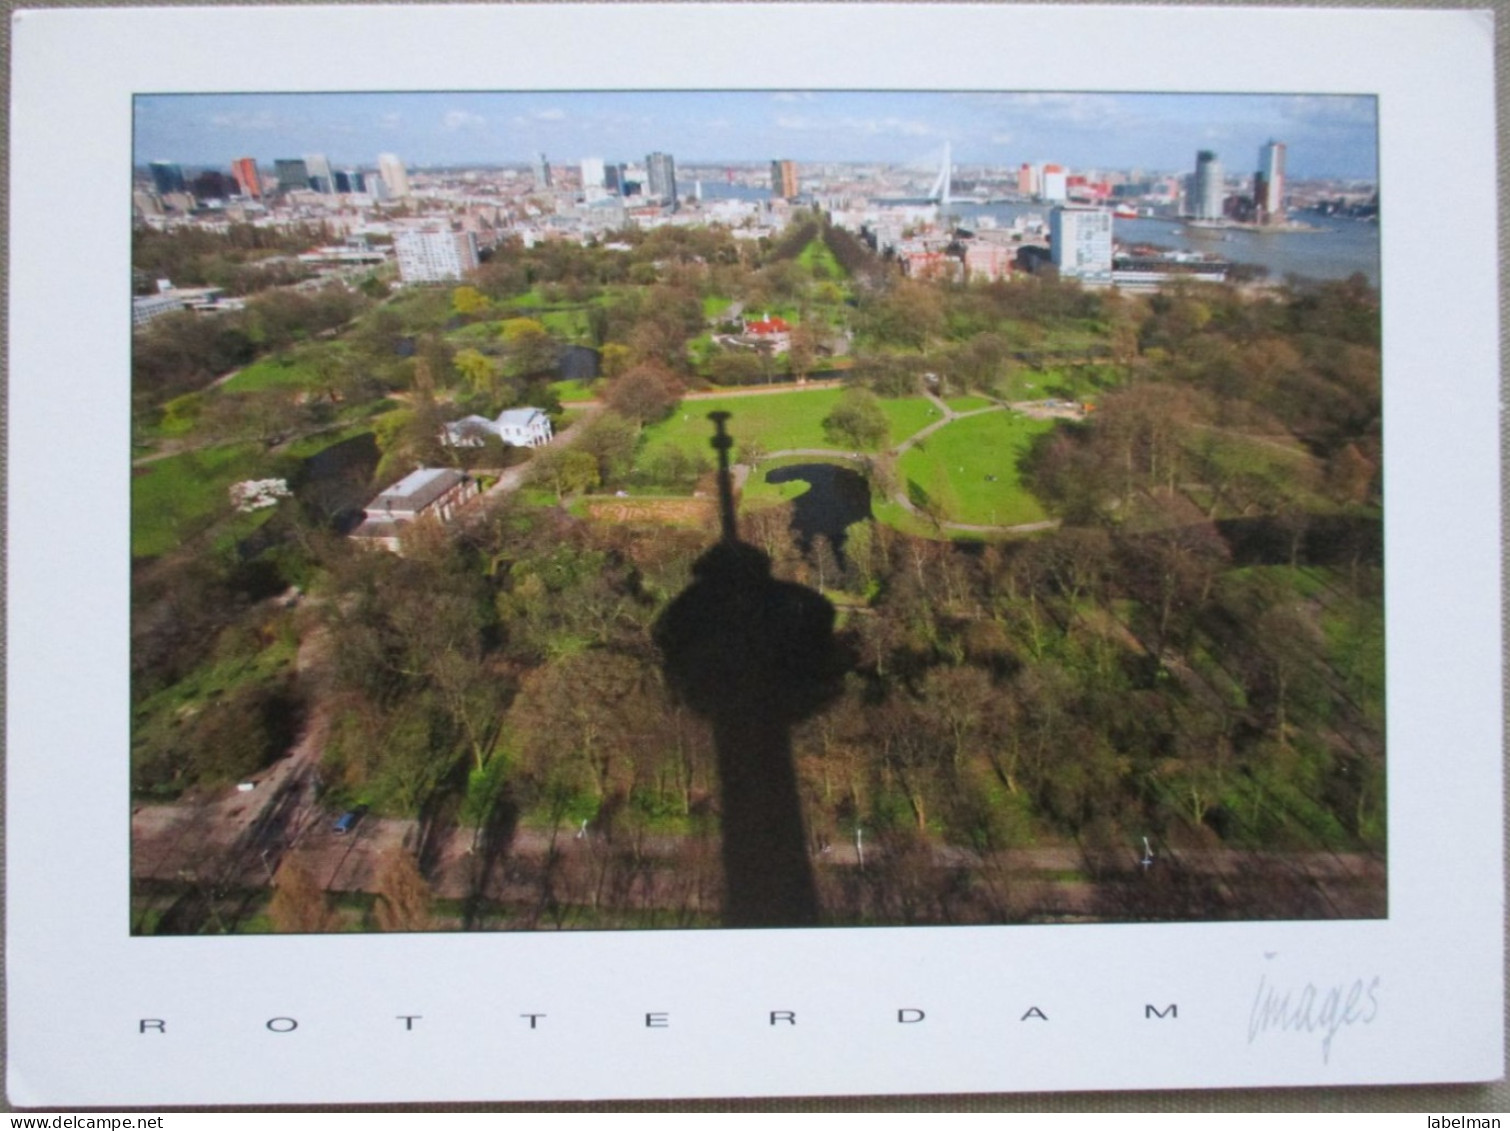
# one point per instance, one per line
(77, 984)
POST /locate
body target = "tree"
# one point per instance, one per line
(567, 470)
(857, 419)
(468, 300)
(403, 897)
(644, 394)
(529, 346)
(298, 905)
(610, 440)
(478, 371)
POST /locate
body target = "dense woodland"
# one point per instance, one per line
(1194, 656)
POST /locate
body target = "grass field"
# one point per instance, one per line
(283, 372)
(967, 404)
(779, 421)
(954, 466)
(172, 499)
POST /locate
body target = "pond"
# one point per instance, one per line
(837, 496)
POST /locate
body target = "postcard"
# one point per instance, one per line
(637, 551)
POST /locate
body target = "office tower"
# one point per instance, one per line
(1029, 180)
(1209, 190)
(166, 177)
(1269, 183)
(321, 179)
(660, 169)
(592, 172)
(434, 254)
(350, 180)
(395, 176)
(542, 172)
(244, 169)
(1081, 242)
(784, 179)
(614, 178)
(1056, 184)
(291, 174)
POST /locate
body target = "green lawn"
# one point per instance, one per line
(820, 262)
(574, 390)
(953, 468)
(779, 421)
(907, 415)
(172, 499)
(714, 305)
(273, 373)
(968, 404)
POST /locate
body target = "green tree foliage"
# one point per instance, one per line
(857, 420)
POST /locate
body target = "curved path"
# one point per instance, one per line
(949, 416)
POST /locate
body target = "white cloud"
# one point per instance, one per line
(551, 114)
(240, 120)
(462, 120)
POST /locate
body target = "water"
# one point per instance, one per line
(838, 497)
(1337, 249)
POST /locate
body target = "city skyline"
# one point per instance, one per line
(1326, 135)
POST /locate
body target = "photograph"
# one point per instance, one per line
(725, 553)
(691, 509)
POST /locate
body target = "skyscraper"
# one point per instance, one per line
(784, 179)
(321, 179)
(166, 177)
(592, 173)
(660, 169)
(244, 169)
(394, 175)
(1081, 243)
(291, 174)
(1209, 190)
(542, 172)
(1269, 183)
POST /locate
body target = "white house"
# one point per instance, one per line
(521, 427)
(524, 427)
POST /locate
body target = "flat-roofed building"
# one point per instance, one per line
(430, 494)
(434, 254)
(1081, 242)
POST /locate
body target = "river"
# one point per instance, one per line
(1337, 248)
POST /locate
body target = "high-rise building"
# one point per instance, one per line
(784, 179)
(321, 179)
(1080, 240)
(434, 254)
(1029, 180)
(350, 180)
(244, 169)
(660, 170)
(1056, 184)
(166, 177)
(542, 172)
(1269, 183)
(592, 172)
(291, 174)
(1209, 192)
(614, 178)
(395, 176)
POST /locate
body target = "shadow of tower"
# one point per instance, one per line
(755, 656)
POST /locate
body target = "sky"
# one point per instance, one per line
(1325, 135)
